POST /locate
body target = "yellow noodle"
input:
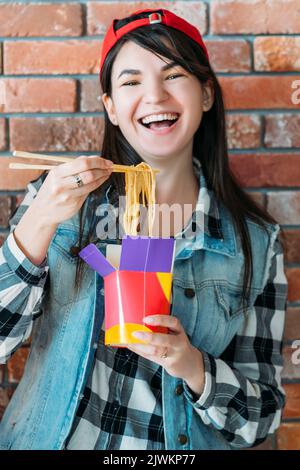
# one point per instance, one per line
(139, 184)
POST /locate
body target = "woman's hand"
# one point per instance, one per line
(183, 360)
(59, 198)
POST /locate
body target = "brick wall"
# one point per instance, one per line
(49, 59)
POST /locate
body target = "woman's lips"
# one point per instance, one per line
(161, 131)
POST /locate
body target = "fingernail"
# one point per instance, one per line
(140, 335)
(108, 163)
(149, 320)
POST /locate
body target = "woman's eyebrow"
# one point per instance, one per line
(168, 66)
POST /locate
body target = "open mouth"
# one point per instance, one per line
(160, 124)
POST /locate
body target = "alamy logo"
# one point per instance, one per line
(296, 94)
(296, 354)
(176, 216)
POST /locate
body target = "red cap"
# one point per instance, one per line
(155, 16)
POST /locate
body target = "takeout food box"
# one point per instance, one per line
(137, 283)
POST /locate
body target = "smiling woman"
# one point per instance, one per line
(214, 381)
(163, 105)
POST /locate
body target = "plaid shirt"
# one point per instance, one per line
(121, 406)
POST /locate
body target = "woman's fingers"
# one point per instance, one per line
(82, 164)
(87, 177)
(169, 321)
(87, 187)
(60, 195)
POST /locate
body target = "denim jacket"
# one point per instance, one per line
(242, 399)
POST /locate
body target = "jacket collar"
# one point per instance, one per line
(216, 229)
(207, 205)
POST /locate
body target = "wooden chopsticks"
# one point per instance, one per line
(54, 158)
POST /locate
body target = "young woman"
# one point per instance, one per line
(214, 381)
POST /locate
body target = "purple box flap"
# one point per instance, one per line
(95, 259)
(160, 256)
(147, 254)
(134, 253)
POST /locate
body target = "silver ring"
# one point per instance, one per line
(79, 181)
(165, 354)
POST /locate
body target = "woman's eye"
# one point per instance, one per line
(133, 82)
(175, 75)
(128, 83)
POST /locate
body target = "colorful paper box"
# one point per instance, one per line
(137, 283)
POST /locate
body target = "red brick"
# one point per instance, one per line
(292, 241)
(295, 92)
(277, 54)
(255, 16)
(292, 408)
(19, 199)
(266, 169)
(4, 400)
(229, 55)
(2, 367)
(292, 324)
(39, 95)
(288, 436)
(259, 198)
(2, 94)
(52, 57)
(243, 131)
(5, 210)
(91, 93)
(3, 144)
(14, 180)
(40, 20)
(266, 445)
(100, 15)
(57, 134)
(293, 277)
(284, 206)
(27, 342)
(6, 394)
(291, 357)
(258, 92)
(282, 130)
(16, 364)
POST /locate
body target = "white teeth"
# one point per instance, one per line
(159, 117)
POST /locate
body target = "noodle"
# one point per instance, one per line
(139, 184)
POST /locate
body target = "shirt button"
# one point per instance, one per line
(95, 345)
(182, 439)
(74, 250)
(179, 389)
(190, 293)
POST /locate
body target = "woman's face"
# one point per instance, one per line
(150, 91)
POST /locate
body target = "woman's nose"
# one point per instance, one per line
(154, 92)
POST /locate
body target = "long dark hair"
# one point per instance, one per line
(209, 145)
